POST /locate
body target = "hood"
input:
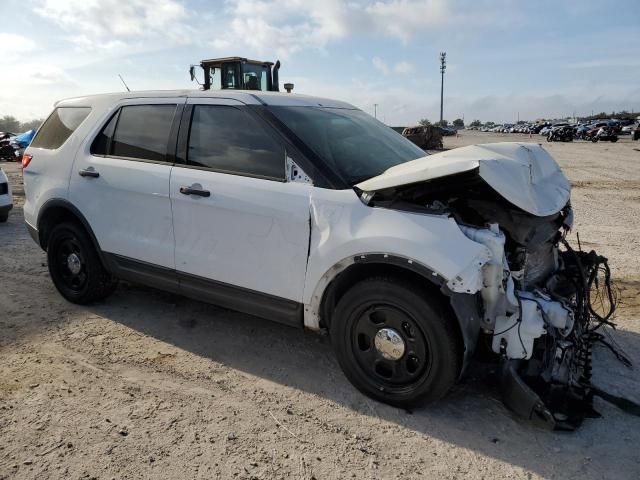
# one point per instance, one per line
(523, 173)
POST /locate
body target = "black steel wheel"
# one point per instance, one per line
(75, 267)
(395, 342)
(389, 344)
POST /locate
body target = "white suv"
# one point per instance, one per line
(307, 211)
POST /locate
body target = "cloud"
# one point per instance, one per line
(14, 44)
(401, 68)
(109, 25)
(403, 18)
(380, 65)
(295, 25)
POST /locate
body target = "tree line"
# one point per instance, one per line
(457, 123)
(9, 123)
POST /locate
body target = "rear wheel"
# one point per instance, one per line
(75, 267)
(4, 217)
(395, 342)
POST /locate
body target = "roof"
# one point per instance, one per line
(249, 97)
(235, 59)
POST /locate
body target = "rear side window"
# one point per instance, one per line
(136, 131)
(142, 132)
(229, 140)
(59, 126)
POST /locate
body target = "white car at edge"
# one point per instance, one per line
(6, 201)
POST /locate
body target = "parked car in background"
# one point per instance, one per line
(628, 129)
(635, 135)
(604, 133)
(427, 137)
(560, 134)
(21, 142)
(12, 148)
(6, 202)
(8, 149)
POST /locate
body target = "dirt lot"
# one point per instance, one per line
(150, 385)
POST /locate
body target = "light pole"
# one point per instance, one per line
(443, 67)
(375, 110)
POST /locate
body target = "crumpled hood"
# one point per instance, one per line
(523, 173)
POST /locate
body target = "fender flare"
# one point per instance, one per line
(67, 205)
(463, 305)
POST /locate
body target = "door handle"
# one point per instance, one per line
(88, 173)
(195, 191)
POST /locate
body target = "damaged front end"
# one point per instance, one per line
(537, 312)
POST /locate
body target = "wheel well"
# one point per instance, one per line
(53, 216)
(359, 271)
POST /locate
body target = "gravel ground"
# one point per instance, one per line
(151, 385)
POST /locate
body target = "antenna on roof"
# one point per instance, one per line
(124, 83)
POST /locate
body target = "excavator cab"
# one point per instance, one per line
(238, 73)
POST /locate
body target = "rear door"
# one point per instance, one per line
(241, 230)
(120, 182)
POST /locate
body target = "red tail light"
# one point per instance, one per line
(26, 160)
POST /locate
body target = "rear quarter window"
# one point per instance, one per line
(59, 126)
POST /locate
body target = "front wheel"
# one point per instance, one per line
(614, 139)
(594, 139)
(75, 267)
(395, 342)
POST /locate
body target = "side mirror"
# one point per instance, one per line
(192, 72)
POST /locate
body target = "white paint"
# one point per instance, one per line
(523, 173)
(6, 198)
(250, 232)
(342, 227)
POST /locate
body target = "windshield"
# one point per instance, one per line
(355, 144)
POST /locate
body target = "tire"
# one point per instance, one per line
(4, 217)
(426, 364)
(614, 139)
(549, 139)
(91, 282)
(594, 139)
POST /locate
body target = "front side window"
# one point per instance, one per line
(351, 142)
(59, 126)
(142, 131)
(229, 140)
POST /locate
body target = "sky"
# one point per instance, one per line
(505, 59)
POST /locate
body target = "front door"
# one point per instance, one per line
(240, 228)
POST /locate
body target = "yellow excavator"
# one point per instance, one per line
(239, 73)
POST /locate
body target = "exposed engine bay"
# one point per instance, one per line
(542, 303)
